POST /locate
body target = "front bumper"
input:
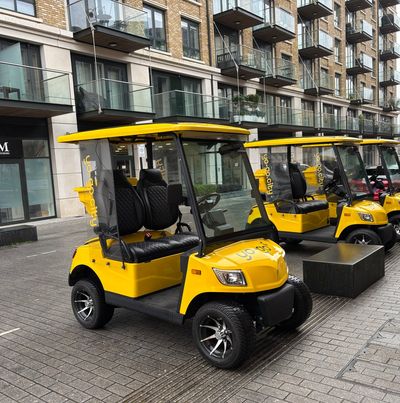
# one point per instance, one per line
(386, 233)
(277, 306)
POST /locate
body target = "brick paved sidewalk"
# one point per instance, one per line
(348, 351)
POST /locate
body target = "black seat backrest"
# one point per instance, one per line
(161, 201)
(130, 209)
(299, 185)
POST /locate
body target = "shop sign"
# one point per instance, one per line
(10, 148)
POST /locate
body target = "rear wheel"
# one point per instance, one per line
(89, 306)
(364, 237)
(291, 241)
(395, 221)
(224, 333)
(302, 306)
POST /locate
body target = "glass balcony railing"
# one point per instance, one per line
(392, 76)
(386, 128)
(323, 80)
(252, 6)
(242, 56)
(278, 16)
(390, 20)
(291, 117)
(390, 104)
(107, 13)
(281, 67)
(330, 121)
(361, 95)
(352, 124)
(361, 26)
(364, 61)
(246, 111)
(367, 125)
(33, 84)
(309, 39)
(191, 105)
(115, 95)
(326, 3)
(391, 47)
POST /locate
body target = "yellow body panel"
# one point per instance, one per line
(261, 261)
(262, 180)
(285, 222)
(350, 215)
(392, 203)
(310, 175)
(155, 131)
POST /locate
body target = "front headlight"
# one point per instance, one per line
(366, 217)
(230, 277)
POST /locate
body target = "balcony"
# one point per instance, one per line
(113, 101)
(280, 72)
(386, 129)
(241, 61)
(390, 51)
(360, 32)
(389, 23)
(315, 44)
(249, 112)
(312, 9)
(367, 126)
(288, 120)
(238, 14)
(390, 104)
(389, 3)
(351, 124)
(324, 84)
(389, 78)
(278, 26)
(330, 123)
(184, 106)
(355, 5)
(361, 96)
(33, 92)
(115, 25)
(359, 65)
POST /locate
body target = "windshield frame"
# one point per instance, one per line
(391, 187)
(248, 233)
(351, 195)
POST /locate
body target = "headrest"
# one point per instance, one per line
(120, 179)
(151, 175)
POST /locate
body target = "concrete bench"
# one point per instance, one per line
(17, 234)
(345, 270)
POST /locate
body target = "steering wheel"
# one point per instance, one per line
(333, 187)
(208, 202)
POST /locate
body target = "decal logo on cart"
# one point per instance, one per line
(248, 253)
(91, 183)
(268, 179)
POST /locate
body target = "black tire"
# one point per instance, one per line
(395, 221)
(291, 241)
(364, 237)
(238, 340)
(303, 305)
(88, 305)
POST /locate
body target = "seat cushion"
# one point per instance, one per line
(311, 205)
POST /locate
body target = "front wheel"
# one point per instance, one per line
(291, 241)
(224, 333)
(364, 237)
(395, 221)
(302, 306)
(89, 306)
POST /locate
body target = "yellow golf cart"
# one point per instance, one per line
(297, 206)
(385, 177)
(176, 245)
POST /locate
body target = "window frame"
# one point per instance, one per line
(15, 9)
(151, 11)
(189, 50)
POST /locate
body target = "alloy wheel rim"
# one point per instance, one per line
(216, 337)
(362, 239)
(396, 226)
(84, 305)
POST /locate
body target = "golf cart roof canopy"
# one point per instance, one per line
(380, 142)
(299, 141)
(155, 131)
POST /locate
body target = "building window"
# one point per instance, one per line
(374, 38)
(155, 28)
(338, 59)
(337, 84)
(337, 15)
(190, 39)
(373, 9)
(373, 74)
(20, 6)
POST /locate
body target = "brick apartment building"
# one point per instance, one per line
(280, 68)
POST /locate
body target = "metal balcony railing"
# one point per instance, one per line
(252, 6)
(281, 67)
(321, 80)
(251, 112)
(361, 95)
(242, 56)
(315, 38)
(290, 117)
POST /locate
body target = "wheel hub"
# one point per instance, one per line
(216, 337)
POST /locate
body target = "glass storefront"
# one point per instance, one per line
(26, 186)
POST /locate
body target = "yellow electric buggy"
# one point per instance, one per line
(176, 245)
(299, 171)
(385, 177)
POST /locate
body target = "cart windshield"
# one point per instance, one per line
(354, 171)
(390, 160)
(221, 177)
